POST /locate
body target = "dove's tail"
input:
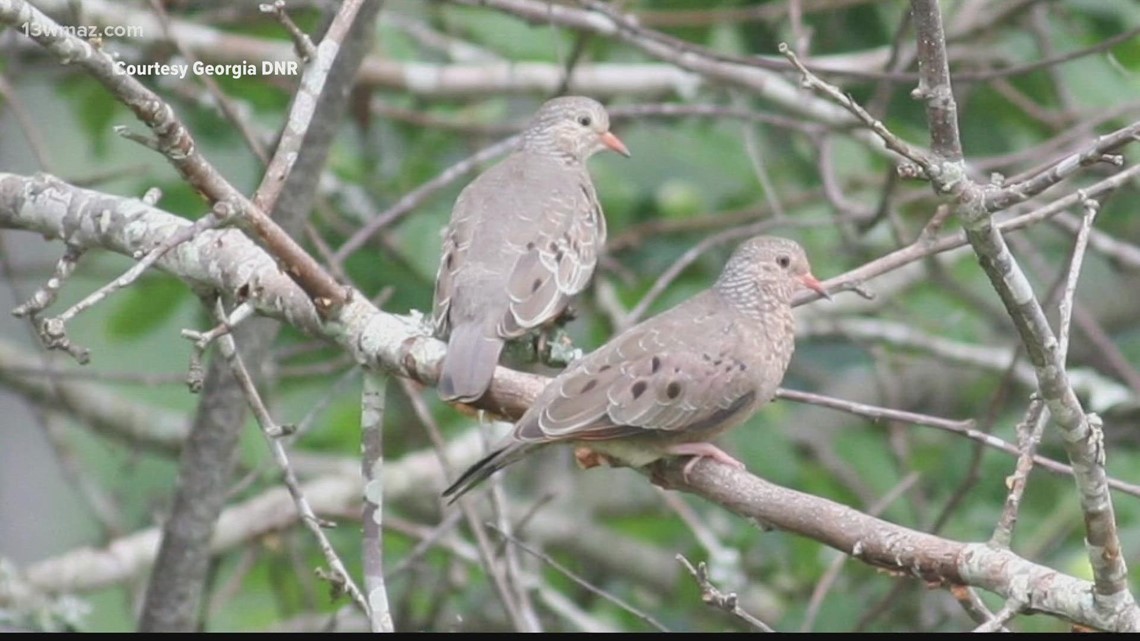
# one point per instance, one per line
(486, 466)
(469, 363)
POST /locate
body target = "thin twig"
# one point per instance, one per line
(340, 579)
(1001, 617)
(499, 579)
(720, 600)
(975, 608)
(827, 580)
(372, 409)
(580, 581)
(873, 412)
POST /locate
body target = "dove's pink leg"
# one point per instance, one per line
(700, 450)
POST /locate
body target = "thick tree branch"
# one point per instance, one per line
(1082, 432)
(178, 580)
(898, 549)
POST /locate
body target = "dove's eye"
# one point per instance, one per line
(584, 121)
(783, 261)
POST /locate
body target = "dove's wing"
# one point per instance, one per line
(673, 373)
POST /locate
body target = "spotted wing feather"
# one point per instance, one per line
(666, 375)
(456, 242)
(556, 257)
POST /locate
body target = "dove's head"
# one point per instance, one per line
(764, 271)
(571, 126)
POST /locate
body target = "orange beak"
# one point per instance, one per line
(612, 141)
(812, 283)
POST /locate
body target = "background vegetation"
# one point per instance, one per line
(726, 143)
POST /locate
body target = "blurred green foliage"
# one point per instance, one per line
(690, 170)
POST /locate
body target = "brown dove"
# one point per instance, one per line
(673, 382)
(524, 239)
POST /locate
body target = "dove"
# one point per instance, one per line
(524, 238)
(670, 384)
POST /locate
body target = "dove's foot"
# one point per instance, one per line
(587, 458)
(699, 451)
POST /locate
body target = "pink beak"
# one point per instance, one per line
(612, 141)
(812, 283)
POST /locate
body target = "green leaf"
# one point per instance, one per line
(146, 305)
(95, 109)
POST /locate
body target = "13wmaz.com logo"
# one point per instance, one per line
(81, 31)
